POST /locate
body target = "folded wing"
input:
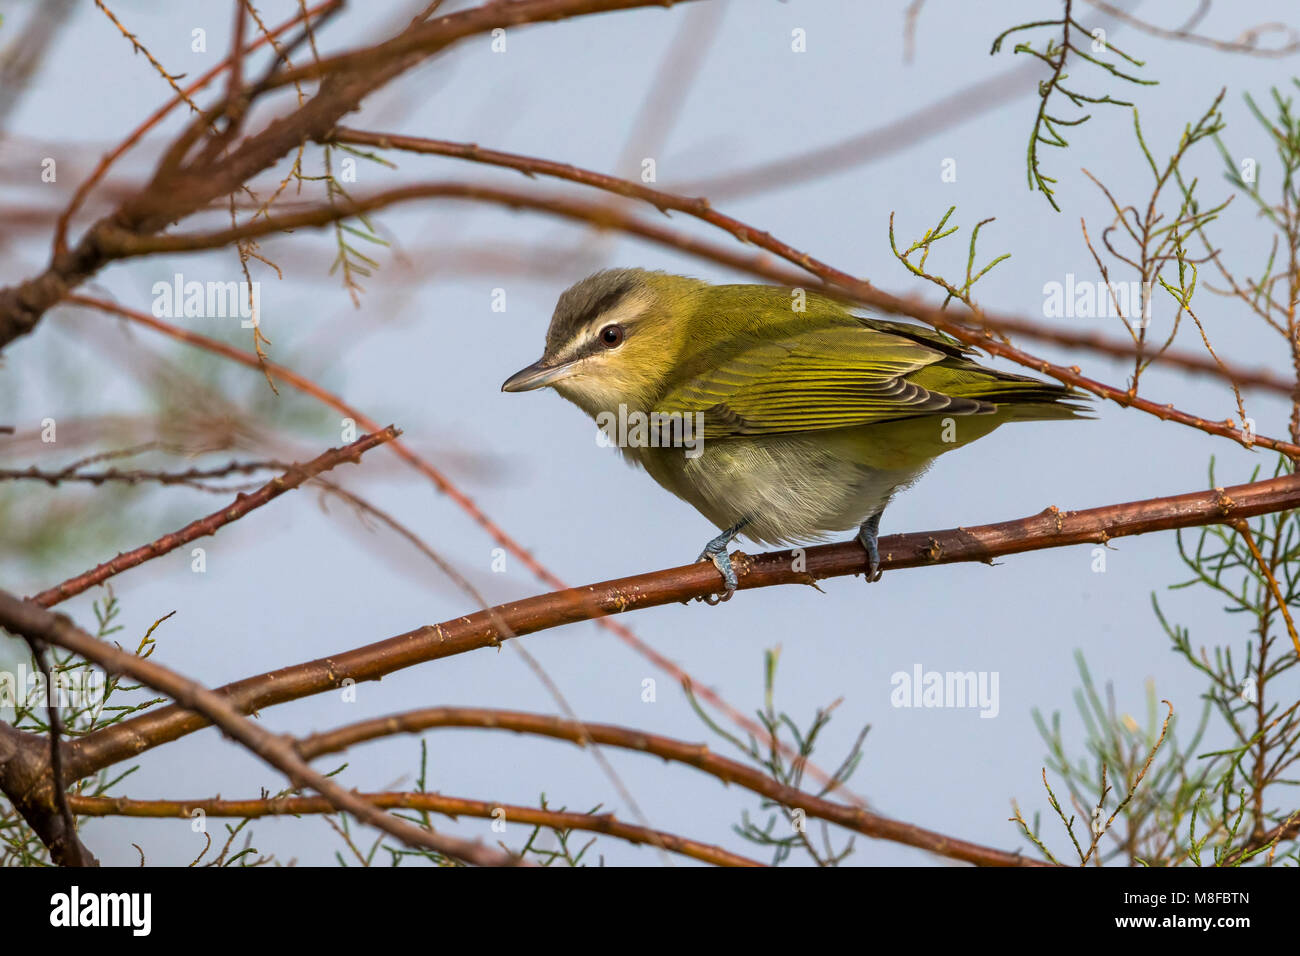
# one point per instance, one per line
(831, 376)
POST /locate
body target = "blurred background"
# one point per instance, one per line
(819, 146)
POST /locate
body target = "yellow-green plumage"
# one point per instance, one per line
(813, 417)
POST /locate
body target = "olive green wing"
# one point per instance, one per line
(836, 376)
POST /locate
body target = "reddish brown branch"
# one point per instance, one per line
(443, 484)
(696, 755)
(177, 191)
(101, 169)
(1051, 528)
(424, 39)
(452, 807)
(65, 846)
(1288, 829)
(190, 476)
(701, 209)
(33, 622)
(241, 506)
(121, 243)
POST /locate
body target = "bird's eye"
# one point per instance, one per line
(611, 336)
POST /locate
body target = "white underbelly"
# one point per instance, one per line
(791, 489)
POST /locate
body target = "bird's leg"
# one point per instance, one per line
(716, 551)
(867, 538)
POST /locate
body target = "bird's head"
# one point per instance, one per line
(614, 339)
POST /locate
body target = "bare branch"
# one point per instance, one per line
(1051, 528)
(241, 506)
(667, 748)
(453, 807)
(33, 622)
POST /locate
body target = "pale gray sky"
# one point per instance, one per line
(427, 352)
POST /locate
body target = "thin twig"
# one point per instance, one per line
(241, 506)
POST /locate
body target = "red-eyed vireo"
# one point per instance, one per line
(777, 413)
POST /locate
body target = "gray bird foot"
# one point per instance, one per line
(867, 535)
(716, 552)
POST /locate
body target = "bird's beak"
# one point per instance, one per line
(537, 375)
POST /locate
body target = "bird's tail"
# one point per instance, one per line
(1044, 411)
(1017, 397)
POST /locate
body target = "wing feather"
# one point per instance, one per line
(833, 376)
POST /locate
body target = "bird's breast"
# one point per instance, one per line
(791, 488)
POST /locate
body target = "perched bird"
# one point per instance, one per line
(777, 414)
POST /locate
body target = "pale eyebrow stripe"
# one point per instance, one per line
(598, 317)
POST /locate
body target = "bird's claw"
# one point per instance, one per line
(713, 600)
(722, 561)
(867, 538)
(716, 552)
